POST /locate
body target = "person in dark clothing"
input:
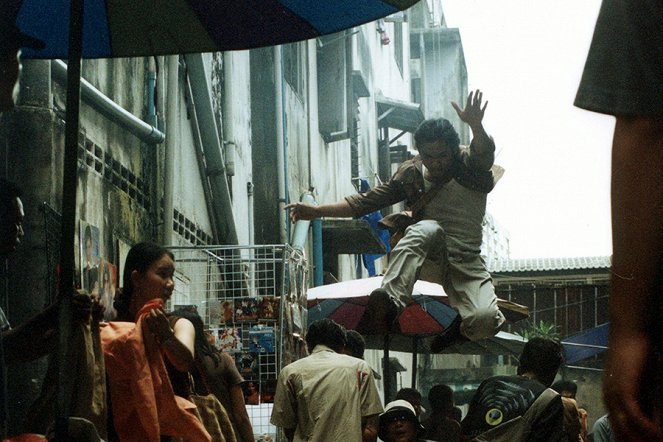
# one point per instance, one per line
(441, 424)
(502, 398)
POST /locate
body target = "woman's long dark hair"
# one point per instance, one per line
(140, 257)
(201, 343)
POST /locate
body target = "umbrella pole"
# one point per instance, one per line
(415, 353)
(386, 381)
(69, 181)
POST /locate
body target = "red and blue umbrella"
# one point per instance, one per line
(345, 303)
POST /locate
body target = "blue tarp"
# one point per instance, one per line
(586, 344)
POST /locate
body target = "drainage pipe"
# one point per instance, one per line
(300, 232)
(212, 149)
(172, 142)
(281, 153)
(113, 111)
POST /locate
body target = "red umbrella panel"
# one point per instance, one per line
(427, 315)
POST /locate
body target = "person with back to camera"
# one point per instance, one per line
(572, 411)
(326, 396)
(215, 372)
(440, 424)
(622, 77)
(454, 182)
(143, 404)
(501, 399)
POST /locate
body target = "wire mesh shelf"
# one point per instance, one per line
(253, 302)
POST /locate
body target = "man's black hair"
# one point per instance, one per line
(8, 193)
(542, 357)
(408, 394)
(441, 397)
(564, 385)
(355, 343)
(325, 332)
(437, 129)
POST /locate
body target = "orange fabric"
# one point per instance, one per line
(144, 405)
(26, 437)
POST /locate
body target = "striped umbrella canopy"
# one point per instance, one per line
(429, 315)
(130, 28)
(345, 303)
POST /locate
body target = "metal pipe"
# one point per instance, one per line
(172, 119)
(281, 156)
(318, 273)
(211, 144)
(114, 112)
(300, 232)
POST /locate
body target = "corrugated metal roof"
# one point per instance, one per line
(508, 265)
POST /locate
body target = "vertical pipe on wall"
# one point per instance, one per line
(172, 107)
(281, 154)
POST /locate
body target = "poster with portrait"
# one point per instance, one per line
(247, 365)
(107, 287)
(246, 309)
(251, 390)
(227, 311)
(90, 256)
(267, 391)
(229, 339)
(269, 308)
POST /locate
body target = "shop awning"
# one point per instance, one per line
(398, 114)
(350, 236)
(586, 344)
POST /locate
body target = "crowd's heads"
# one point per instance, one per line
(565, 388)
(437, 129)
(399, 422)
(139, 259)
(413, 397)
(326, 332)
(441, 397)
(11, 216)
(355, 344)
(541, 357)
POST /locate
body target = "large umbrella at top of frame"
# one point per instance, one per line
(79, 29)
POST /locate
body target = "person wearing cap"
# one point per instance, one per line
(399, 423)
(11, 42)
(326, 396)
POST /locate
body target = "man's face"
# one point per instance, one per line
(437, 158)
(400, 429)
(10, 70)
(11, 227)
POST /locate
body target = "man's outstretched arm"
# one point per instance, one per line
(303, 211)
(482, 147)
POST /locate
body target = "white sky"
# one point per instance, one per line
(527, 57)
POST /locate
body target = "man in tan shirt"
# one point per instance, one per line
(326, 396)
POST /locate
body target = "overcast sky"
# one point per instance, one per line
(527, 56)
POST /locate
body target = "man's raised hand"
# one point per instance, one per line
(474, 111)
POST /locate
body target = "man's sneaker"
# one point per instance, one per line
(380, 314)
(448, 337)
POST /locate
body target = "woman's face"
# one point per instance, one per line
(156, 282)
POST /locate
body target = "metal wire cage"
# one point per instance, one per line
(253, 302)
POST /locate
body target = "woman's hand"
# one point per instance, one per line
(157, 322)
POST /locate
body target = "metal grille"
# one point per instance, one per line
(253, 302)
